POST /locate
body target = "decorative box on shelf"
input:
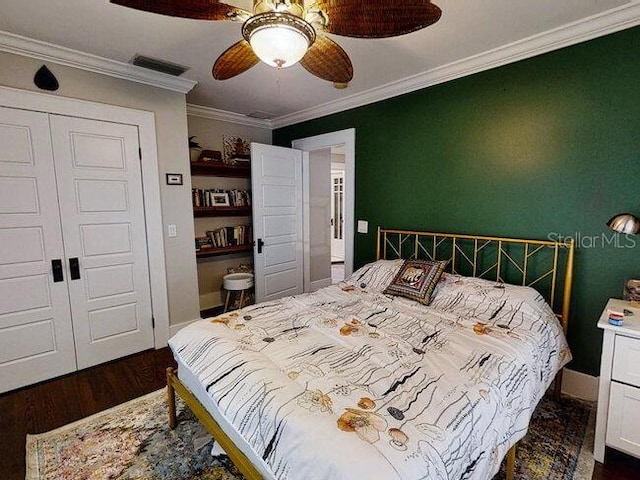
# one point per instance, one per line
(210, 156)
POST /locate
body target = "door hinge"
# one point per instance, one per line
(153, 322)
(140, 153)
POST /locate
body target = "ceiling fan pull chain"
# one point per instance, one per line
(278, 70)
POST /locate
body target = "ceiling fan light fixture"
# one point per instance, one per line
(279, 39)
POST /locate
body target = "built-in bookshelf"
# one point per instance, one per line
(234, 237)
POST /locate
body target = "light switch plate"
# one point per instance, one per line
(363, 226)
(173, 231)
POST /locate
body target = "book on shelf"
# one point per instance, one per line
(220, 198)
(230, 236)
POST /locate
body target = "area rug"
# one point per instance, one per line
(559, 443)
(133, 441)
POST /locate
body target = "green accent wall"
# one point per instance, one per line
(545, 146)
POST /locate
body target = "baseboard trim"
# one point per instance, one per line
(580, 385)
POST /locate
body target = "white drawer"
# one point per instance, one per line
(623, 426)
(626, 360)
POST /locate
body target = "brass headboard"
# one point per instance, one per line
(543, 264)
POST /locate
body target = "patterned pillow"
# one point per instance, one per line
(375, 276)
(416, 279)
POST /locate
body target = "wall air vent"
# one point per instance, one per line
(159, 65)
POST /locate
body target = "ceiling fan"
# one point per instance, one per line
(282, 33)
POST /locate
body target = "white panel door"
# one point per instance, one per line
(100, 192)
(36, 337)
(276, 180)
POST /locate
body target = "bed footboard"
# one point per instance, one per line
(238, 458)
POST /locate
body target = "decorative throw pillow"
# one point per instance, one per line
(416, 279)
(375, 276)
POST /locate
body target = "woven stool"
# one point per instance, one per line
(237, 283)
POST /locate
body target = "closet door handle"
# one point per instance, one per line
(56, 268)
(74, 268)
(260, 245)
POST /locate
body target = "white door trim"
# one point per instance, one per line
(145, 121)
(348, 139)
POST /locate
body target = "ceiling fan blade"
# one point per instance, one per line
(327, 60)
(196, 9)
(236, 59)
(367, 19)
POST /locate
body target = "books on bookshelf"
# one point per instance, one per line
(225, 237)
(220, 198)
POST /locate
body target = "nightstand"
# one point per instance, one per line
(618, 419)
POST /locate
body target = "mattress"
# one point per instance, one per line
(347, 382)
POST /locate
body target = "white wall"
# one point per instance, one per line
(169, 109)
(320, 214)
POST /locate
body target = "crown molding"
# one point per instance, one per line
(225, 116)
(614, 20)
(49, 52)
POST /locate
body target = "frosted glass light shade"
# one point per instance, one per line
(279, 39)
(279, 45)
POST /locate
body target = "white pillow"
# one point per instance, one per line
(376, 276)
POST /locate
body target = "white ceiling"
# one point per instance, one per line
(467, 28)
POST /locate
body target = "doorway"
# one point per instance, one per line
(328, 206)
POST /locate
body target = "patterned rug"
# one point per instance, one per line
(133, 441)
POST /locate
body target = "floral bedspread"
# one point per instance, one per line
(348, 383)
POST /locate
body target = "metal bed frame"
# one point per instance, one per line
(497, 258)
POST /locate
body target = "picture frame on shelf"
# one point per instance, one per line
(632, 290)
(220, 199)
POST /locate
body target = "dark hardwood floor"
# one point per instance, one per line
(54, 403)
(617, 466)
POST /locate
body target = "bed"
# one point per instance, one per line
(351, 382)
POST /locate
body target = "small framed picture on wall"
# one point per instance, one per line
(174, 179)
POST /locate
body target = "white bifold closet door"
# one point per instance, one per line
(70, 196)
(36, 336)
(100, 195)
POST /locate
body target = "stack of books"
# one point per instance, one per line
(616, 317)
(203, 243)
